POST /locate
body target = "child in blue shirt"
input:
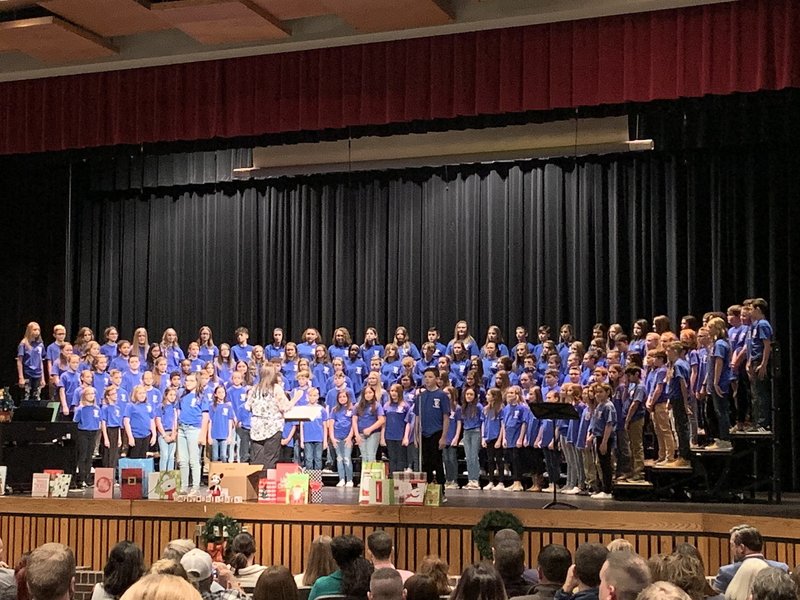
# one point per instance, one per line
(109, 348)
(471, 421)
(634, 421)
(222, 422)
(205, 340)
(513, 433)
(390, 371)
(313, 435)
(242, 351)
(395, 410)
(432, 409)
(68, 381)
(759, 352)
(405, 347)
(193, 410)
(491, 439)
(439, 349)
(138, 422)
(677, 391)
(277, 348)
(602, 436)
(355, 368)
(110, 424)
(166, 420)
(311, 338)
(30, 362)
(120, 360)
(368, 422)
(340, 431)
(494, 335)
(224, 364)
(450, 452)
(571, 393)
(87, 416)
(53, 351)
(133, 376)
(371, 347)
(341, 343)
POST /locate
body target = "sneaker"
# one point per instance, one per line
(724, 445)
(473, 485)
(535, 488)
(679, 462)
(517, 487)
(195, 491)
(661, 462)
(713, 446)
(548, 489)
(489, 486)
(341, 483)
(348, 484)
(602, 496)
(500, 487)
(452, 485)
(571, 491)
(444, 499)
(635, 478)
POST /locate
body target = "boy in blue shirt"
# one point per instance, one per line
(313, 438)
(634, 421)
(602, 435)
(759, 350)
(677, 391)
(439, 349)
(431, 411)
(242, 351)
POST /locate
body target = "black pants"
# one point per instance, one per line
(432, 458)
(85, 441)
(110, 455)
(742, 396)
(140, 447)
(266, 452)
(398, 456)
(606, 470)
(244, 444)
(494, 460)
(514, 456)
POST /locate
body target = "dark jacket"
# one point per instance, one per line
(541, 591)
(590, 594)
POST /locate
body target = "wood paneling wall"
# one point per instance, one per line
(284, 533)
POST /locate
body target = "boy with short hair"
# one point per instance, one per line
(759, 351)
(677, 391)
(431, 412)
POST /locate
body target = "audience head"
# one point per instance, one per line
(124, 568)
(686, 571)
(620, 545)
(166, 566)
(243, 549)
(480, 582)
(161, 587)
(773, 584)
(275, 583)
(199, 568)
(51, 572)
(509, 560)
(348, 552)
(380, 545)
(554, 562)
(745, 540)
(623, 576)
(657, 564)
(386, 584)
(177, 548)
(320, 560)
(421, 587)
(662, 590)
(345, 549)
(435, 568)
(589, 559)
(21, 575)
(504, 536)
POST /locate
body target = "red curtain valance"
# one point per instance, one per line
(741, 46)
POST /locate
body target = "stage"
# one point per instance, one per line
(283, 533)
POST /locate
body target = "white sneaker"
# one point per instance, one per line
(489, 486)
(724, 445)
(548, 489)
(569, 492)
(602, 496)
(473, 485)
(348, 484)
(451, 486)
(500, 487)
(341, 483)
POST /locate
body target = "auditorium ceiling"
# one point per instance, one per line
(59, 37)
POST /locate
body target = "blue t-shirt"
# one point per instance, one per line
(32, 358)
(492, 421)
(174, 356)
(636, 393)
(221, 417)
(109, 349)
(53, 353)
(335, 351)
(154, 396)
(120, 363)
(604, 414)
(370, 416)
(130, 380)
(207, 354)
(333, 394)
(471, 349)
(243, 416)
(473, 421)
(191, 409)
(288, 428)
(320, 374)
(390, 372)
(342, 422)
(515, 416)
(370, 352)
(314, 430)
(659, 376)
(167, 414)
(722, 350)
(111, 415)
(547, 429)
(87, 417)
(573, 429)
(306, 350)
(760, 331)
(140, 416)
(587, 418)
(459, 370)
(69, 380)
(395, 421)
(680, 371)
(432, 407)
(273, 351)
(357, 371)
(100, 381)
(455, 419)
(242, 353)
(411, 351)
(237, 395)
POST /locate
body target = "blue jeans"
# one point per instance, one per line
(244, 444)
(450, 460)
(472, 448)
(219, 450)
(722, 407)
(189, 455)
(313, 452)
(344, 462)
(166, 453)
(369, 446)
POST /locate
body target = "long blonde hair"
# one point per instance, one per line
(161, 587)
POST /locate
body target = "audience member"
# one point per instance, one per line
(509, 560)
(319, 563)
(160, 586)
(51, 572)
(688, 549)
(437, 569)
(509, 535)
(421, 587)
(380, 549)
(200, 570)
(741, 584)
(125, 567)
(745, 543)
(166, 566)
(175, 549)
(20, 574)
(243, 550)
(3, 563)
(583, 577)
(686, 572)
(479, 582)
(352, 576)
(554, 562)
(623, 576)
(8, 585)
(662, 590)
(275, 583)
(386, 583)
(620, 545)
(773, 584)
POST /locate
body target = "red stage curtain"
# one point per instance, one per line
(740, 46)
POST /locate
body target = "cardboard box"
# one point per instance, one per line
(240, 479)
(131, 484)
(103, 483)
(409, 492)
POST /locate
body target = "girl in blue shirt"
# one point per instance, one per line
(340, 430)
(639, 331)
(138, 422)
(718, 381)
(313, 433)
(222, 421)
(109, 349)
(321, 370)
(471, 418)
(461, 334)
(153, 354)
(140, 344)
(491, 439)
(311, 338)
(87, 416)
(224, 364)
(513, 433)
(355, 368)
(110, 425)
(368, 421)
(30, 362)
(395, 411)
(277, 348)
(68, 382)
(205, 339)
(192, 432)
(341, 343)
(405, 347)
(290, 365)
(371, 346)
(85, 335)
(460, 363)
(450, 452)
(166, 420)
(171, 349)
(390, 371)
(493, 334)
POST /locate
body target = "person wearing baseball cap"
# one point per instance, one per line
(201, 572)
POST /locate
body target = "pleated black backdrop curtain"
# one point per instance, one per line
(172, 242)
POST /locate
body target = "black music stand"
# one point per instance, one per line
(553, 411)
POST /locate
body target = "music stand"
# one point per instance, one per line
(554, 411)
